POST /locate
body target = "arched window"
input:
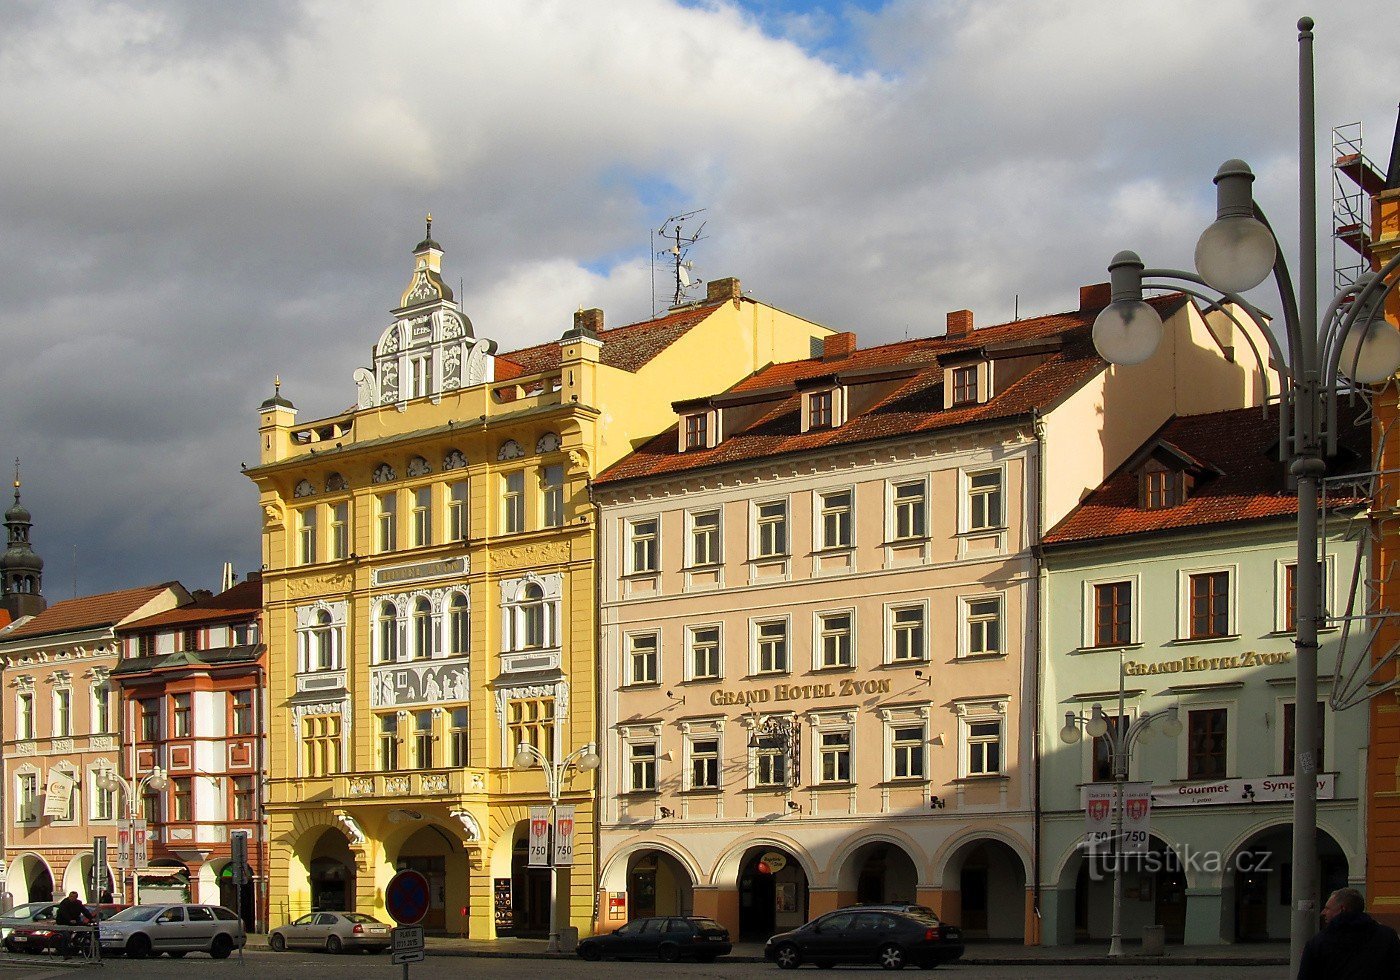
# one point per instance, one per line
(386, 632)
(532, 616)
(324, 640)
(458, 624)
(422, 628)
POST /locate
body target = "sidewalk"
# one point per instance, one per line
(982, 954)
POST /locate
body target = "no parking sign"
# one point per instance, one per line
(406, 897)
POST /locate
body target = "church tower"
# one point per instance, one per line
(21, 569)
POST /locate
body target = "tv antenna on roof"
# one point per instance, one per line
(676, 251)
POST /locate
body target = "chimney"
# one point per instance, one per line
(1095, 297)
(838, 345)
(587, 323)
(959, 323)
(719, 290)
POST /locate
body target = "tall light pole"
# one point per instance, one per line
(111, 780)
(556, 774)
(1235, 254)
(1121, 740)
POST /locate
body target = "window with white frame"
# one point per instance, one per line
(552, 495)
(642, 658)
(513, 502)
(63, 712)
(819, 414)
(27, 797)
(530, 615)
(704, 652)
(704, 538)
(641, 767)
(770, 529)
(1209, 602)
(982, 732)
(909, 510)
(103, 802)
(704, 763)
(907, 751)
(641, 545)
(306, 531)
(340, 530)
(696, 431)
(984, 501)
(458, 624)
(457, 511)
(907, 634)
(422, 627)
(771, 647)
(834, 755)
(24, 715)
(834, 513)
(386, 507)
(834, 640)
(770, 762)
(320, 636)
(386, 632)
(982, 627)
(101, 707)
(422, 517)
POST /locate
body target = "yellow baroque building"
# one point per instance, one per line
(431, 595)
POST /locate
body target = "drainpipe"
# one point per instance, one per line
(261, 892)
(596, 775)
(1042, 615)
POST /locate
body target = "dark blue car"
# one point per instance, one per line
(668, 939)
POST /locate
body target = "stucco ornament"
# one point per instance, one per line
(454, 460)
(471, 830)
(351, 828)
(510, 449)
(548, 443)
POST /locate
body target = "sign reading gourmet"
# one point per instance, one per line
(420, 570)
(844, 688)
(400, 684)
(1260, 789)
(1249, 658)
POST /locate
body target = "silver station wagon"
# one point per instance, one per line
(333, 932)
(149, 930)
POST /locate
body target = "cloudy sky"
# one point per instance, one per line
(200, 195)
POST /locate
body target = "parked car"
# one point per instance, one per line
(23, 915)
(921, 910)
(863, 934)
(143, 930)
(667, 938)
(333, 932)
(41, 936)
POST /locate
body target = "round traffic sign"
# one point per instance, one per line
(406, 897)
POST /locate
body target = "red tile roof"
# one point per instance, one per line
(243, 601)
(915, 403)
(87, 612)
(1248, 482)
(627, 348)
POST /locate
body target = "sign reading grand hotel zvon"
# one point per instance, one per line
(845, 688)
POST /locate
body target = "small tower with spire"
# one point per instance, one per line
(21, 568)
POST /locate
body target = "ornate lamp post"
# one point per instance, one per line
(556, 774)
(111, 780)
(1235, 254)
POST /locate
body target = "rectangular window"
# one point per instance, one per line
(320, 739)
(457, 511)
(1206, 744)
(836, 519)
(983, 618)
(242, 787)
(306, 526)
(1290, 738)
(704, 764)
(1290, 596)
(1113, 614)
(389, 742)
(819, 410)
(150, 720)
(643, 767)
(190, 639)
(770, 527)
(907, 752)
(964, 385)
(641, 546)
(1102, 751)
(835, 754)
(24, 715)
(909, 511)
(422, 517)
(150, 807)
(103, 800)
(242, 713)
(182, 799)
(62, 713)
(835, 640)
(642, 659)
(772, 647)
(552, 495)
(704, 652)
(907, 634)
(423, 739)
(531, 722)
(458, 738)
(513, 503)
(1160, 489)
(180, 715)
(770, 766)
(340, 530)
(28, 809)
(984, 501)
(1210, 605)
(983, 748)
(387, 508)
(696, 435)
(704, 538)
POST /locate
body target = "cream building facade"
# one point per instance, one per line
(821, 624)
(430, 595)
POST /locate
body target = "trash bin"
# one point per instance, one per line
(568, 939)
(1154, 940)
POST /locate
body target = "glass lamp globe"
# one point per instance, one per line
(1127, 332)
(107, 780)
(1098, 724)
(1070, 733)
(590, 760)
(158, 781)
(1171, 725)
(522, 758)
(1371, 352)
(1236, 253)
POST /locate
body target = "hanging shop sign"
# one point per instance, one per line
(774, 861)
(1260, 789)
(1250, 658)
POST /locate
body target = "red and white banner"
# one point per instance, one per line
(539, 837)
(563, 836)
(1099, 799)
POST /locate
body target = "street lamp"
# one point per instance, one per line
(583, 759)
(1120, 745)
(1234, 254)
(110, 780)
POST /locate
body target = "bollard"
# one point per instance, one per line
(1154, 940)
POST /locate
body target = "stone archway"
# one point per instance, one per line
(29, 879)
(436, 854)
(1256, 892)
(984, 890)
(658, 884)
(1155, 892)
(330, 872)
(773, 894)
(878, 871)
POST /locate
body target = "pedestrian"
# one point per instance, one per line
(71, 912)
(1351, 945)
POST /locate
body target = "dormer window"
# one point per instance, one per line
(823, 406)
(1162, 487)
(965, 385)
(696, 431)
(819, 410)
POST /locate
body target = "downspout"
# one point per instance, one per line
(597, 774)
(1038, 675)
(261, 894)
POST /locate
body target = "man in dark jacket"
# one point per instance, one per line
(71, 912)
(1351, 943)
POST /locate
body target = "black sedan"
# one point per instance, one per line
(667, 939)
(890, 938)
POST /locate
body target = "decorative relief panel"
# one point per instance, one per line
(510, 449)
(336, 483)
(454, 460)
(361, 785)
(425, 682)
(541, 553)
(319, 585)
(418, 466)
(303, 489)
(395, 785)
(548, 443)
(383, 473)
(432, 782)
